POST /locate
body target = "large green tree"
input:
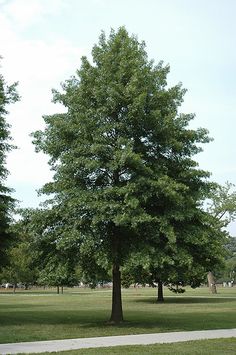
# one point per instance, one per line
(7, 95)
(122, 157)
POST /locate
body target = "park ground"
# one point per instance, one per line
(43, 315)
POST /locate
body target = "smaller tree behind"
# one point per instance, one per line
(222, 206)
(8, 95)
(20, 267)
(185, 262)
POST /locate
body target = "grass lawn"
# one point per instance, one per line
(83, 313)
(199, 347)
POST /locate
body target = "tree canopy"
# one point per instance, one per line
(7, 95)
(122, 156)
(222, 203)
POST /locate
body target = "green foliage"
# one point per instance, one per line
(231, 246)
(20, 268)
(8, 95)
(222, 203)
(57, 274)
(122, 156)
(198, 249)
(51, 257)
(228, 273)
(222, 206)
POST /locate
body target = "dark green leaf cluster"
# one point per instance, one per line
(231, 246)
(8, 95)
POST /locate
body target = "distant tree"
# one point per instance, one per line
(222, 206)
(57, 274)
(8, 95)
(20, 266)
(55, 266)
(231, 246)
(122, 157)
(228, 272)
(231, 269)
(222, 203)
(198, 248)
(21, 256)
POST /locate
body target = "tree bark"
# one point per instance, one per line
(62, 289)
(160, 297)
(211, 282)
(117, 312)
(58, 290)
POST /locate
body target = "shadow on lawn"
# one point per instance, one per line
(184, 300)
(134, 319)
(135, 323)
(7, 306)
(49, 317)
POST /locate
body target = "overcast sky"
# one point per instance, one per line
(42, 41)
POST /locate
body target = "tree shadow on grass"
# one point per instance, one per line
(184, 300)
(84, 318)
(6, 306)
(52, 317)
(27, 293)
(48, 325)
(136, 323)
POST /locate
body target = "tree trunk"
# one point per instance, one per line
(58, 290)
(62, 289)
(160, 297)
(117, 312)
(211, 282)
(14, 288)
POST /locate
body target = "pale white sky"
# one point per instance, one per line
(42, 41)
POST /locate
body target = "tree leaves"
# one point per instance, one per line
(123, 157)
(8, 95)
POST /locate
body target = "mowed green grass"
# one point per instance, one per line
(199, 347)
(43, 316)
